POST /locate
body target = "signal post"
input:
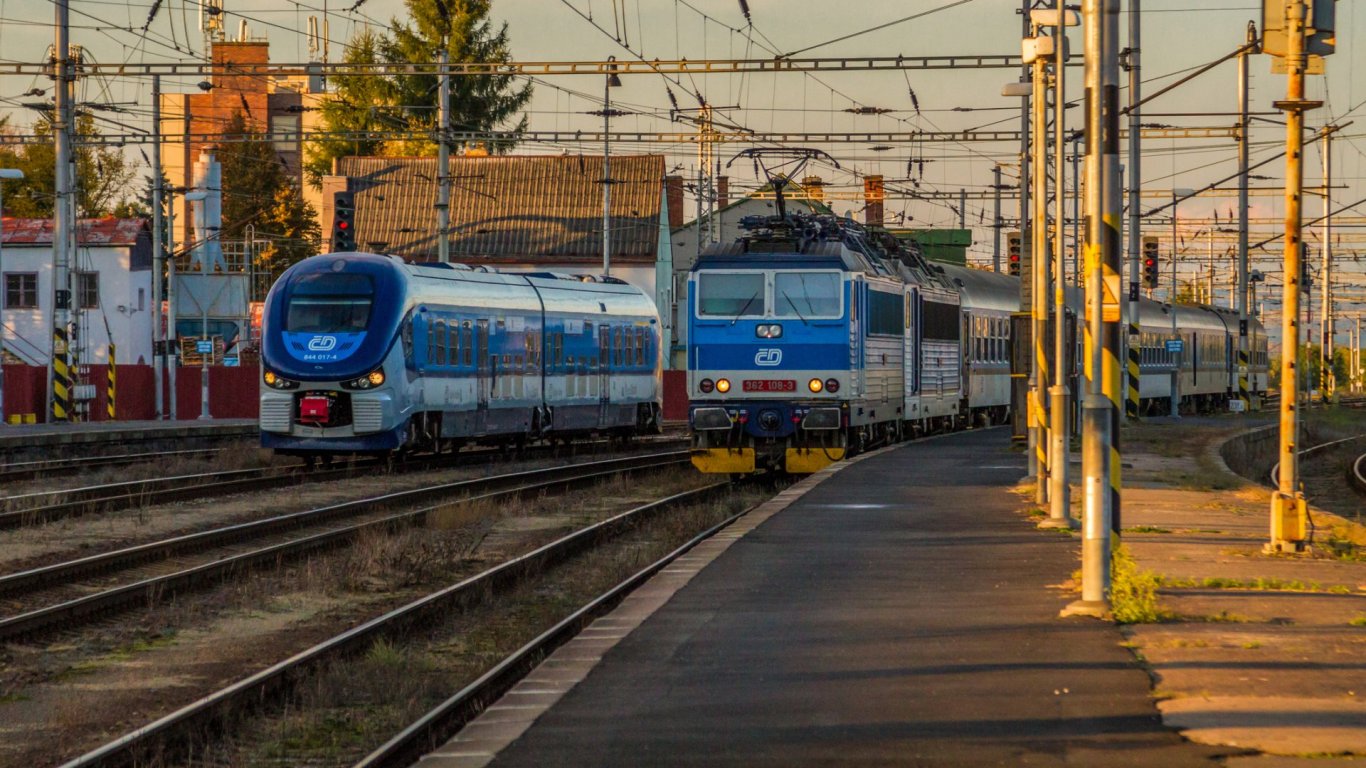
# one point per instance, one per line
(1289, 516)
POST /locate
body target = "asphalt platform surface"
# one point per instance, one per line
(900, 613)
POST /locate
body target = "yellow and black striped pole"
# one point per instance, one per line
(111, 383)
(1101, 405)
(61, 376)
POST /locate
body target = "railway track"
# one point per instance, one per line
(169, 735)
(45, 506)
(1356, 474)
(442, 722)
(32, 470)
(1273, 476)
(336, 529)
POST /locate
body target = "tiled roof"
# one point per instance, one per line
(509, 208)
(106, 231)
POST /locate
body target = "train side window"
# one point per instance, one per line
(518, 363)
(559, 347)
(640, 347)
(468, 335)
(455, 343)
(440, 342)
(616, 347)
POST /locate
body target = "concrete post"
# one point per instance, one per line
(1288, 510)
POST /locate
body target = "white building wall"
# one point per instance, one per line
(125, 302)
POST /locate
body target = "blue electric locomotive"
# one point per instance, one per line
(368, 354)
(811, 337)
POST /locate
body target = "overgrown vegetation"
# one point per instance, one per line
(1133, 591)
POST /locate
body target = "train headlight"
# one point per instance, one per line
(768, 331)
(706, 385)
(723, 385)
(815, 385)
(275, 381)
(368, 381)
(832, 385)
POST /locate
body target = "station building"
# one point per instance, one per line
(111, 291)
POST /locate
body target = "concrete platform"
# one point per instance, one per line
(19, 438)
(897, 611)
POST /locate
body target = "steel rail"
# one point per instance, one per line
(158, 588)
(1356, 474)
(58, 573)
(443, 721)
(158, 737)
(1273, 477)
(131, 493)
(28, 470)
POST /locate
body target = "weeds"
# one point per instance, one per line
(1358, 621)
(1133, 595)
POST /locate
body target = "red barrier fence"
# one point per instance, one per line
(675, 395)
(234, 393)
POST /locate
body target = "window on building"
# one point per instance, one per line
(88, 289)
(21, 290)
(284, 130)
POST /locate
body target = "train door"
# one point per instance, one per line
(486, 363)
(604, 371)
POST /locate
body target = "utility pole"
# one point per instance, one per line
(443, 162)
(1038, 270)
(1241, 300)
(1059, 496)
(1026, 244)
(158, 257)
(59, 393)
(1100, 413)
(1131, 370)
(609, 82)
(1326, 383)
(996, 218)
(1288, 508)
(173, 357)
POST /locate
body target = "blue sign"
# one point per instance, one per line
(204, 347)
(1175, 345)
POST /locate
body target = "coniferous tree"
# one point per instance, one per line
(258, 192)
(410, 102)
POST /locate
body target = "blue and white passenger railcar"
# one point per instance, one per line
(366, 353)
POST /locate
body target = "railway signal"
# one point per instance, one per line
(1151, 270)
(1013, 245)
(343, 222)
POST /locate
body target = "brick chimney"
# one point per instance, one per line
(722, 191)
(873, 195)
(673, 196)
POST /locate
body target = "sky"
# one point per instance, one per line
(1178, 38)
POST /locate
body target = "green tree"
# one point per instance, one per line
(410, 102)
(258, 192)
(360, 103)
(102, 174)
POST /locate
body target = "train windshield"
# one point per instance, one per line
(730, 294)
(330, 302)
(806, 294)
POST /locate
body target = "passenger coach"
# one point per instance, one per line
(368, 354)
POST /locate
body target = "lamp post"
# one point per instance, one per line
(612, 81)
(1177, 195)
(191, 197)
(5, 173)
